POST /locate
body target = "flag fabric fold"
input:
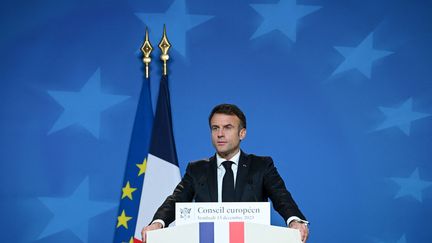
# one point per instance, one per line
(152, 170)
(162, 172)
(135, 167)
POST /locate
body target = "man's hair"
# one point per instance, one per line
(229, 109)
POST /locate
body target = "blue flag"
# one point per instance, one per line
(135, 167)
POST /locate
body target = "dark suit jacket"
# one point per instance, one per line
(257, 180)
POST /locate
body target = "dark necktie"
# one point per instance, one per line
(228, 183)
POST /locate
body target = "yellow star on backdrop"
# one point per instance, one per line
(142, 167)
(127, 191)
(123, 219)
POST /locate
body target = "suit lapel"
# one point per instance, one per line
(242, 174)
(212, 180)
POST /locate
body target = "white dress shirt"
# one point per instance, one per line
(221, 171)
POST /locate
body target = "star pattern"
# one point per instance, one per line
(411, 186)
(142, 167)
(127, 191)
(282, 16)
(400, 117)
(264, 55)
(123, 219)
(178, 19)
(360, 57)
(73, 212)
(85, 106)
(401, 240)
(131, 240)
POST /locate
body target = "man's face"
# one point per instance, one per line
(226, 134)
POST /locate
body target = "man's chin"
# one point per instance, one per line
(221, 149)
(222, 153)
(225, 153)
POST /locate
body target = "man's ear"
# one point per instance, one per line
(242, 133)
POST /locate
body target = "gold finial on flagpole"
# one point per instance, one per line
(146, 48)
(164, 46)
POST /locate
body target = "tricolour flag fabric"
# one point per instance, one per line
(162, 172)
(232, 232)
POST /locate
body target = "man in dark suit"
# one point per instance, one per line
(231, 176)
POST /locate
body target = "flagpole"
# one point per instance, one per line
(164, 46)
(129, 223)
(162, 167)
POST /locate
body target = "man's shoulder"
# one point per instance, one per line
(263, 164)
(200, 163)
(259, 159)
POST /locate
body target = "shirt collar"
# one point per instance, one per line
(234, 159)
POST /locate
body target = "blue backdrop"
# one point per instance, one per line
(339, 93)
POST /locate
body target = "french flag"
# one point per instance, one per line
(162, 173)
(233, 232)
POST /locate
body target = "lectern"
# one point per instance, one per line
(224, 232)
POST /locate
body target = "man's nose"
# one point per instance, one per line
(220, 133)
